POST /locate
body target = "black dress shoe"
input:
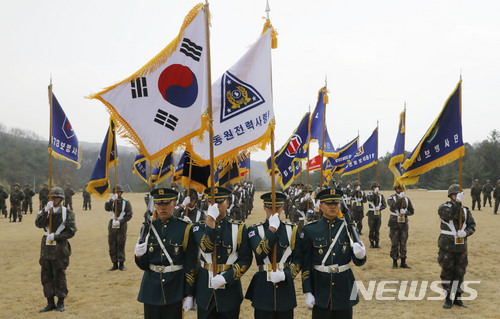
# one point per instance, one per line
(48, 307)
(115, 267)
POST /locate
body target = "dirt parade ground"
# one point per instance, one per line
(95, 292)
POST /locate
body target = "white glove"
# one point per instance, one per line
(49, 206)
(307, 196)
(461, 234)
(401, 195)
(186, 201)
(114, 197)
(402, 211)
(187, 219)
(376, 190)
(316, 206)
(359, 250)
(213, 210)
(348, 186)
(140, 249)
(277, 276)
(188, 303)
(218, 281)
(310, 300)
(358, 188)
(116, 222)
(50, 237)
(274, 221)
(460, 197)
(300, 191)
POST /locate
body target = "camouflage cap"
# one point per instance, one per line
(16, 184)
(453, 189)
(375, 184)
(118, 188)
(57, 192)
(1, 185)
(193, 194)
(27, 185)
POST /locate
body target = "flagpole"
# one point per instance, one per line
(115, 165)
(322, 141)
(376, 175)
(211, 128)
(50, 155)
(460, 159)
(307, 163)
(188, 186)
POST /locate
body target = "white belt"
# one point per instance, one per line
(269, 267)
(165, 269)
(332, 268)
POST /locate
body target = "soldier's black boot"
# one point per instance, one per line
(448, 302)
(60, 305)
(404, 264)
(121, 267)
(115, 267)
(371, 244)
(458, 300)
(376, 244)
(50, 305)
(394, 264)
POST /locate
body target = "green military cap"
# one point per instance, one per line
(164, 195)
(268, 200)
(219, 192)
(330, 195)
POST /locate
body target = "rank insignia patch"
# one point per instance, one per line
(237, 97)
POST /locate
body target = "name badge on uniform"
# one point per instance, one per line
(50, 242)
(459, 240)
(401, 218)
(115, 226)
(358, 204)
(377, 212)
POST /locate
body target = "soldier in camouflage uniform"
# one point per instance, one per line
(475, 193)
(3, 196)
(305, 207)
(487, 189)
(358, 198)
(16, 199)
(496, 196)
(376, 204)
(236, 209)
(452, 243)
(68, 197)
(194, 215)
(55, 249)
(401, 207)
(43, 196)
(28, 199)
(87, 199)
(120, 211)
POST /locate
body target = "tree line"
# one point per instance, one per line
(24, 159)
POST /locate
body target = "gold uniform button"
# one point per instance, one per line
(163, 280)
(332, 283)
(163, 240)
(333, 254)
(165, 226)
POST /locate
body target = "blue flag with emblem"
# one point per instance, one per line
(292, 151)
(366, 156)
(64, 144)
(441, 144)
(398, 154)
(226, 174)
(162, 170)
(316, 125)
(179, 169)
(244, 165)
(108, 155)
(345, 153)
(140, 167)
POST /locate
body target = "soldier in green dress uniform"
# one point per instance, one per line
(273, 292)
(55, 249)
(168, 258)
(327, 278)
(218, 287)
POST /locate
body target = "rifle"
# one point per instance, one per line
(351, 227)
(148, 219)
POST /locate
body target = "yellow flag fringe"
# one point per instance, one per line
(62, 158)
